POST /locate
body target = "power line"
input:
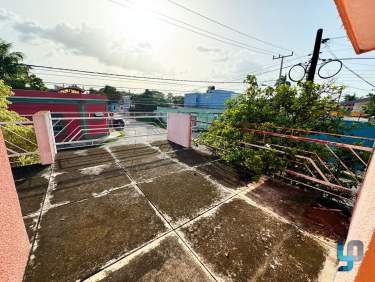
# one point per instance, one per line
(100, 77)
(359, 58)
(58, 72)
(337, 37)
(134, 88)
(208, 34)
(264, 68)
(227, 26)
(349, 69)
(360, 64)
(119, 87)
(269, 71)
(131, 76)
(367, 90)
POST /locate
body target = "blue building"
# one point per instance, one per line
(213, 99)
(113, 106)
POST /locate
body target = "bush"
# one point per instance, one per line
(17, 137)
(304, 106)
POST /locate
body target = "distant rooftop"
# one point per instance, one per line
(212, 99)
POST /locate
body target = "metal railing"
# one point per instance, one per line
(94, 128)
(329, 162)
(336, 166)
(20, 141)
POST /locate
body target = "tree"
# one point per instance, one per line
(369, 109)
(17, 136)
(305, 106)
(36, 83)
(350, 98)
(94, 91)
(211, 88)
(178, 100)
(149, 101)
(175, 100)
(9, 62)
(170, 98)
(282, 80)
(13, 73)
(111, 93)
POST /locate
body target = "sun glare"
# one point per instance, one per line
(144, 25)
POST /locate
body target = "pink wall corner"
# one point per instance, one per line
(14, 243)
(45, 137)
(179, 129)
(362, 224)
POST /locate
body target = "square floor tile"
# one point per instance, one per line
(226, 175)
(76, 240)
(192, 157)
(167, 261)
(182, 195)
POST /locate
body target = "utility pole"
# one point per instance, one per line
(315, 56)
(282, 62)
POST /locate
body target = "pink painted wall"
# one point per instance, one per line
(44, 137)
(179, 129)
(14, 243)
(362, 225)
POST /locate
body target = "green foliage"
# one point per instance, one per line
(369, 109)
(282, 80)
(16, 136)
(350, 98)
(13, 73)
(305, 106)
(148, 101)
(111, 93)
(35, 83)
(175, 100)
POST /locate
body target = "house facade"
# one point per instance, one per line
(356, 107)
(64, 105)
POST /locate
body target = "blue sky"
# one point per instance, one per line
(104, 36)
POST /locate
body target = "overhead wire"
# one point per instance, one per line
(118, 87)
(264, 69)
(197, 30)
(131, 76)
(148, 86)
(349, 69)
(227, 26)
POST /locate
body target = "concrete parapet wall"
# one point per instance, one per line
(14, 243)
(179, 129)
(45, 137)
(362, 227)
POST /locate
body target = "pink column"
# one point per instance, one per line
(14, 243)
(179, 129)
(45, 137)
(362, 227)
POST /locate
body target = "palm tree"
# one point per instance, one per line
(10, 63)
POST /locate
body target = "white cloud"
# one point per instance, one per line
(7, 15)
(90, 42)
(203, 49)
(229, 63)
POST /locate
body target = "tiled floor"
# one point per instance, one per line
(163, 213)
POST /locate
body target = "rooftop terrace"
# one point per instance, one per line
(159, 212)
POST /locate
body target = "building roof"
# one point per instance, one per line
(56, 95)
(352, 103)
